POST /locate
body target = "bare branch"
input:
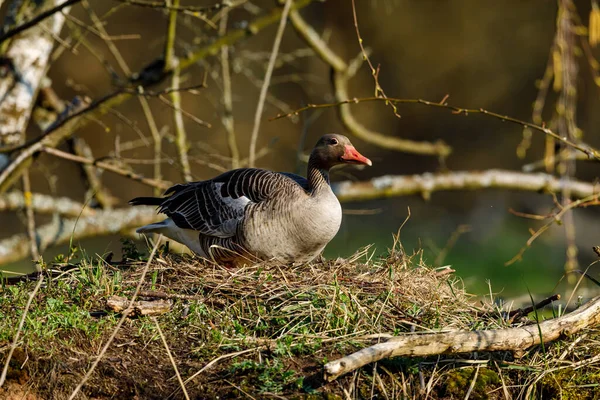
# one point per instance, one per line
(61, 231)
(43, 204)
(227, 117)
(426, 184)
(76, 120)
(34, 21)
(419, 345)
(157, 184)
(265, 86)
(342, 74)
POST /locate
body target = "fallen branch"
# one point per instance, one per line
(511, 339)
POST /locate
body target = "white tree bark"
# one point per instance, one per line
(28, 52)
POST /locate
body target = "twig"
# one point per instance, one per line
(34, 21)
(15, 341)
(263, 91)
(169, 53)
(181, 140)
(227, 118)
(171, 62)
(374, 71)
(589, 200)
(418, 345)
(123, 318)
(156, 184)
(514, 314)
(164, 340)
(584, 148)
(342, 74)
(162, 5)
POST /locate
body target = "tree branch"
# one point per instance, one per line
(44, 204)
(265, 86)
(425, 184)
(342, 74)
(62, 231)
(148, 76)
(515, 339)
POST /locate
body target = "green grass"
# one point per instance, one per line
(268, 329)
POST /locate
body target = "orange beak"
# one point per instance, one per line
(352, 156)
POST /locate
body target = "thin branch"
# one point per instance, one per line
(565, 210)
(342, 74)
(169, 53)
(119, 324)
(34, 21)
(227, 117)
(374, 71)
(162, 5)
(582, 147)
(263, 91)
(15, 341)
(35, 251)
(156, 184)
(181, 139)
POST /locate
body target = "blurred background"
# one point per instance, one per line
(489, 55)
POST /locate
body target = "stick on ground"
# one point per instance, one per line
(419, 345)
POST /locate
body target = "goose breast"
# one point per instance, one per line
(292, 230)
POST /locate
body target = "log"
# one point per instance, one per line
(139, 308)
(510, 339)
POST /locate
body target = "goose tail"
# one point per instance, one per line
(146, 201)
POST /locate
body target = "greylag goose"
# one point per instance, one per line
(251, 213)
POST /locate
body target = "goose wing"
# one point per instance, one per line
(216, 207)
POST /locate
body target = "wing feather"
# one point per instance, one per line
(216, 207)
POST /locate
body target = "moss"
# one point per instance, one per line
(458, 381)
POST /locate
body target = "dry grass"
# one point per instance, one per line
(265, 331)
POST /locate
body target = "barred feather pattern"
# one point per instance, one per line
(251, 213)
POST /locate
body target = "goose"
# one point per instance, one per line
(256, 214)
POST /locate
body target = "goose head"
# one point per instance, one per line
(334, 149)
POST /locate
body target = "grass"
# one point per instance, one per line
(264, 331)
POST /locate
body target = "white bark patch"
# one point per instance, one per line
(29, 52)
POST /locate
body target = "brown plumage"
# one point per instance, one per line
(250, 213)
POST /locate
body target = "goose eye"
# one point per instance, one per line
(333, 141)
